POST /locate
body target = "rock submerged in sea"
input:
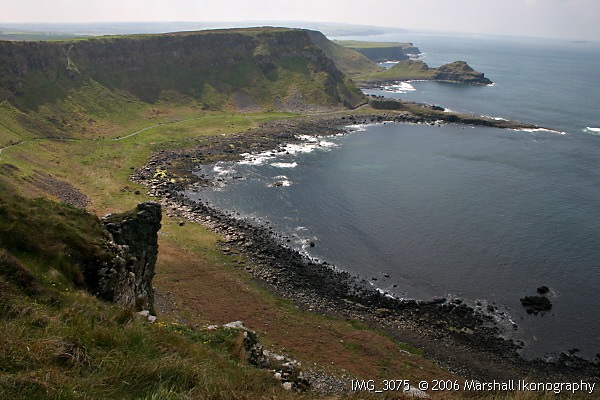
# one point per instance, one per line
(536, 304)
(543, 289)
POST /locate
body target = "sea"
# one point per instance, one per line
(480, 214)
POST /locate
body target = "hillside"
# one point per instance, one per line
(59, 85)
(348, 60)
(57, 341)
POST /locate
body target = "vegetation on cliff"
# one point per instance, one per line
(458, 72)
(59, 342)
(381, 51)
(348, 60)
(242, 69)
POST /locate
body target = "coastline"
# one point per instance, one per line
(449, 332)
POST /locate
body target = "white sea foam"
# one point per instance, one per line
(400, 87)
(285, 165)
(256, 159)
(535, 130)
(308, 138)
(357, 127)
(310, 144)
(592, 130)
(281, 182)
(223, 169)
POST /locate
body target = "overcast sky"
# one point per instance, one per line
(569, 19)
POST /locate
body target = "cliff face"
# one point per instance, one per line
(381, 51)
(348, 60)
(126, 278)
(383, 54)
(264, 63)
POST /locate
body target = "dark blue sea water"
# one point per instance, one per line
(482, 214)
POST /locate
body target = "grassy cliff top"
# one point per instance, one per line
(359, 44)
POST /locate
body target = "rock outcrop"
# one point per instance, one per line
(536, 304)
(126, 278)
(460, 71)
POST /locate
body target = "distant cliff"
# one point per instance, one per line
(458, 72)
(381, 51)
(348, 60)
(250, 68)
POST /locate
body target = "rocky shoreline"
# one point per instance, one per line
(458, 337)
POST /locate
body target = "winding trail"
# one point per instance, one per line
(115, 139)
(156, 126)
(12, 145)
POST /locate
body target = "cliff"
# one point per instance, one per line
(126, 278)
(381, 51)
(457, 72)
(273, 68)
(348, 60)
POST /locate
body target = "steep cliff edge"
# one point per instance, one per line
(270, 68)
(347, 59)
(126, 278)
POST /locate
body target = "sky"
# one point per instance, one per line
(567, 19)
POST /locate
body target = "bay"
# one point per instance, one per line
(482, 214)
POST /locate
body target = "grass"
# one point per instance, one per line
(58, 341)
(100, 166)
(81, 349)
(359, 44)
(216, 289)
(404, 70)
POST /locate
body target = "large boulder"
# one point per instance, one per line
(536, 304)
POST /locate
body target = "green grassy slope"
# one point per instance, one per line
(348, 60)
(404, 70)
(59, 86)
(57, 341)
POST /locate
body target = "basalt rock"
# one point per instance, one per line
(126, 278)
(460, 71)
(536, 304)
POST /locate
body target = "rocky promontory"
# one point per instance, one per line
(461, 72)
(126, 277)
(456, 72)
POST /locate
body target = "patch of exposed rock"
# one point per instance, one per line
(126, 277)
